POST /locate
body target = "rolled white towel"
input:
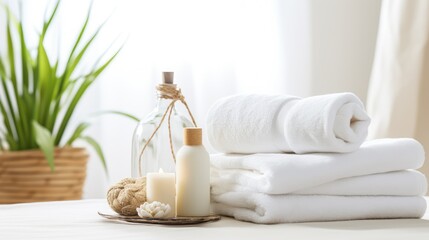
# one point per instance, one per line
(398, 183)
(287, 173)
(268, 124)
(263, 208)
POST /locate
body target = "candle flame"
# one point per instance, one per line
(161, 171)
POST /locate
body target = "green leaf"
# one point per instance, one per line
(124, 114)
(45, 84)
(1, 140)
(98, 71)
(66, 73)
(12, 120)
(70, 109)
(7, 122)
(64, 80)
(2, 69)
(45, 141)
(23, 127)
(25, 54)
(89, 79)
(26, 65)
(97, 149)
(77, 133)
(19, 126)
(75, 61)
(13, 145)
(51, 17)
(11, 51)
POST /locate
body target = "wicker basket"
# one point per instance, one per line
(26, 177)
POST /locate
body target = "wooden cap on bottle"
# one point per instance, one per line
(192, 136)
(168, 77)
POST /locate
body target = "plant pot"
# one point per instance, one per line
(26, 177)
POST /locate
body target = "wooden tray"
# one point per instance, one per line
(163, 221)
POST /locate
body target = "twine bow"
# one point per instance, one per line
(167, 91)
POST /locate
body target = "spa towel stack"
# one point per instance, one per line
(287, 159)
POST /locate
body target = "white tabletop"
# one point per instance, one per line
(79, 220)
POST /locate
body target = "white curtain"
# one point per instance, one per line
(216, 48)
(398, 99)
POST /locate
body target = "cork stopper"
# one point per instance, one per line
(168, 77)
(192, 136)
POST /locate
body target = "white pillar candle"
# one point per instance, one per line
(161, 187)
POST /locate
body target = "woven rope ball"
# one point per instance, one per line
(127, 195)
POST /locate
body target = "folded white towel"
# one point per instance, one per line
(263, 123)
(263, 208)
(398, 183)
(286, 173)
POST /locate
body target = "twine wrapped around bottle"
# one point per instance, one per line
(168, 91)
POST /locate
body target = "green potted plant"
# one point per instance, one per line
(37, 100)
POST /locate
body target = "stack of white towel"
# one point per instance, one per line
(287, 159)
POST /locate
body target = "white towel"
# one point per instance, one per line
(286, 173)
(263, 208)
(264, 123)
(398, 183)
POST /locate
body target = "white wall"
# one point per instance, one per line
(328, 45)
(216, 48)
(343, 43)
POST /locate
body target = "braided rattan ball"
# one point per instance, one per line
(127, 195)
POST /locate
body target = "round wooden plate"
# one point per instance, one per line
(164, 221)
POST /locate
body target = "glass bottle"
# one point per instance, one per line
(157, 154)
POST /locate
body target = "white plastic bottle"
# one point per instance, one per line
(192, 176)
